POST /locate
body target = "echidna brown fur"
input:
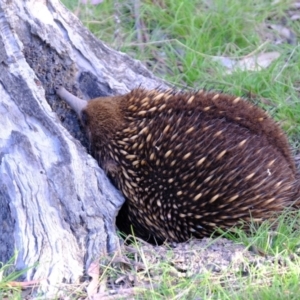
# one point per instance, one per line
(188, 163)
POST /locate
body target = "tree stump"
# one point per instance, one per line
(58, 208)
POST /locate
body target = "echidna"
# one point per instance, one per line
(188, 163)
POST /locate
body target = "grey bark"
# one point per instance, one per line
(57, 208)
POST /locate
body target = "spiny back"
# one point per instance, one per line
(210, 105)
(190, 162)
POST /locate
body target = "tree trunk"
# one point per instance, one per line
(57, 206)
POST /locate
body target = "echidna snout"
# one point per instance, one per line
(188, 163)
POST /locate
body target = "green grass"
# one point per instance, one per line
(274, 280)
(278, 279)
(7, 276)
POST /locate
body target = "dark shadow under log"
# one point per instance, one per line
(57, 208)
